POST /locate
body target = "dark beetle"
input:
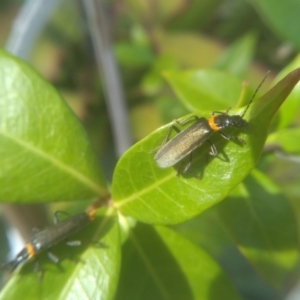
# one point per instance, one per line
(50, 236)
(185, 142)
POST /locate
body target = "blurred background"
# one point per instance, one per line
(106, 58)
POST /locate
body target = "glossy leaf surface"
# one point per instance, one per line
(287, 139)
(89, 271)
(237, 58)
(282, 17)
(205, 89)
(172, 268)
(44, 152)
(153, 195)
(288, 111)
(262, 224)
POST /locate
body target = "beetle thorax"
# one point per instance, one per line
(224, 120)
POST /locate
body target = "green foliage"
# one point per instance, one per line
(258, 204)
(156, 197)
(193, 86)
(42, 143)
(288, 110)
(286, 139)
(151, 198)
(80, 278)
(167, 262)
(282, 16)
(223, 205)
(237, 58)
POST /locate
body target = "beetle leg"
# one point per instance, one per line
(100, 244)
(221, 112)
(178, 171)
(228, 109)
(56, 218)
(218, 112)
(36, 266)
(232, 137)
(213, 149)
(35, 230)
(73, 243)
(176, 129)
(53, 257)
(188, 165)
(186, 120)
(38, 270)
(166, 137)
(168, 133)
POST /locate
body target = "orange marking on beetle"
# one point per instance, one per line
(30, 250)
(212, 124)
(91, 213)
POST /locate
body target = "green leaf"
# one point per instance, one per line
(185, 48)
(44, 152)
(287, 139)
(133, 55)
(206, 231)
(205, 89)
(190, 17)
(282, 16)
(172, 268)
(153, 195)
(289, 109)
(93, 273)
(209, 233)
(237, 57)
(152, 81)
(261, 222)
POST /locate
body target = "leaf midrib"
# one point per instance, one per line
(59, 164)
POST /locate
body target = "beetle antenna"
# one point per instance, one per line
(257, 89)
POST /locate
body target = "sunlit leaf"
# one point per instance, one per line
(172, 268)
(238, 56)
(202, 50)
(261, 222)
(205, 89)
(288, 111)
(153, 195)
(44, 152)
(287, 139)
(92, 272)
(282, 17)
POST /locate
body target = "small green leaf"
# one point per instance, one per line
(289, 109)
(93, 274)
(287, 139)
(133, 55)
(261, 222)
(173, 268)
(44, 152)
(185, 48)
(205, 89)
(152, 81)
(237, 58)
(153, 195)
(282, 16)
